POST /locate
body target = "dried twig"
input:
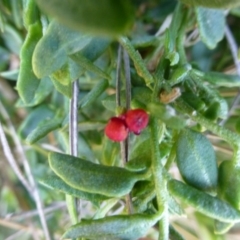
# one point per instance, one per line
(73, 145)
(30, 185)
(234, 50)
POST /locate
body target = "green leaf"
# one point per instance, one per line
(28, 83)
(30, 13)
(43, 129)
(94, 178)
(221, 79)
(211, 25)
(208, 205)
(96, 91)
(92, 51)
(228, 183)
(54, 182)
(44, 89)
(51, 51)
(222, 227)
(213, 3)
(196, 160)
(109, 152)
(66, 90)
(108, 17)
(37, 115)
(87, 65)
(114, 227)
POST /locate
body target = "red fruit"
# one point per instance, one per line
(116, 129)
(136, 120)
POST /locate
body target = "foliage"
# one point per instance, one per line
(70, 66)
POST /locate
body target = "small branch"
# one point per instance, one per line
(33, 187)
(138, 61)
(159, 180)
(128, 102)
(118, 76)
(12, 161)
(234, 50)
(73, 145)
(73, 126)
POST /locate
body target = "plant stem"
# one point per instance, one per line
(159, 180)
(138, 61)
(231, 137)
(181, 36)
(73, 145)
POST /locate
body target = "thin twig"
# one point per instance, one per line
(12, 161)
(234, 50)
(73, 126)
(72, 202)
(118, 77)
(128, 102)
(30, 214)
(33, 187)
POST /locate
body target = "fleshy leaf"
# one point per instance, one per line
(37, 115)
(196, 160)
(94, 178)
(51, 51)
(114, 227)
(43, 129)
(204, 203)
(211, 23)
(53, 181)
(108, 17)
(212, 3)
(96, 91)
(27, 83)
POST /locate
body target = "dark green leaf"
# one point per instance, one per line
(114, 227)
(51, 51)
(44, 89)
(228, 183)
(108, 17)
(27, 83)
(221, 79)
(54, 182)
(96, 91)
(87, 65)
(31, 13)
(32, 120)
(94, 178)
(43, 129)
(196, 160)
(66, 90)
(208, 205)
(211, 25)
(222, 227)
(213, 3)
(92, 51)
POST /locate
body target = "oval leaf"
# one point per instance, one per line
(210, 206)
(51, 51)
(109, 17)
(213, 3)
(95, 92)
(196, 160)
(211, 25)
(27, 83)
(93, 178)
(228, 183)
(114, 227)
(43, 129)
(54, 182)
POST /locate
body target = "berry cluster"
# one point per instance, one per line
(132, 121)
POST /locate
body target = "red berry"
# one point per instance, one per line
(136, 120)
(116, 129)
